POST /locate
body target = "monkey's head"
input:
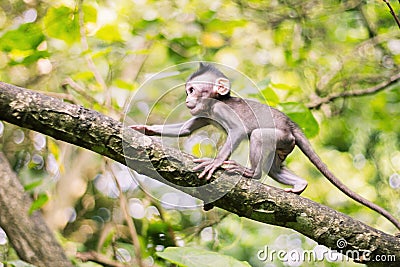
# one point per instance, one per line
(204, 87)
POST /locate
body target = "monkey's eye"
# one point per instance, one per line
(190, 90)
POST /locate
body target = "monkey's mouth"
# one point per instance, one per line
(190, 106)
(193, 110)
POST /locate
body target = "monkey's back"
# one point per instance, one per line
(255, 115)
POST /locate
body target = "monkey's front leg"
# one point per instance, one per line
(148, 129)
(211, 165)
(173, 130)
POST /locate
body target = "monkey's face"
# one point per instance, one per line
(200, 96)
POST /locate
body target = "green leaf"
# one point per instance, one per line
(109, 33)
(31, 58)
(193, 257)
(83, 75)
(124, 84)
(62, 23)
(28, 36)
(301, 115)
(205, 14)
(90, 13)
(270, 95)
(33, 185)
(225, 26)
(266, 95)
(38, 203)
(101, 53)
(283, 86)
(146, 26)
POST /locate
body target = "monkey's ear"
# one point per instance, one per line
(222, 86)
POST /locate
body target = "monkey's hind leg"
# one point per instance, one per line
(233, 166)
(262, 150)
(283, 175)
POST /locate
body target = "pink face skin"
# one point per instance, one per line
(199, 93)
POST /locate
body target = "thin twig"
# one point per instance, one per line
(344, 59)
(392, 12)
(89, 60)
(80, 90)
(98, 258)
(131, 226)
(134, 71)
(371, 27)
(195, 231)
(77, 88)
(372, 90)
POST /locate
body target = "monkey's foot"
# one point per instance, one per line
(297, 189)
(233, 166)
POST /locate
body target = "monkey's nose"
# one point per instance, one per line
(189, 104)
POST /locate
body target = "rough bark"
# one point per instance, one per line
(28, 234)
(248, 198)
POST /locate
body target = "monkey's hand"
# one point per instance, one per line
(209, 166)
(147, 130)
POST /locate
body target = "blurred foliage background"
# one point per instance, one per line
(97, 53)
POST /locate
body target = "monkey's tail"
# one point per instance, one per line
(305, 146)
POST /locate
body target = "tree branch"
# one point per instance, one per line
(245, 197)
(369, 91)
(29, 235)
(392, 12)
